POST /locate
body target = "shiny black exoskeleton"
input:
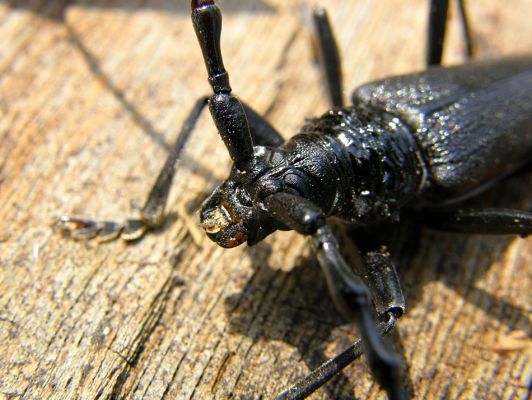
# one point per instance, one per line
(349, 163)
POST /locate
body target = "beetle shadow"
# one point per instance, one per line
(144, 124)
(55, 10)
(293, 305)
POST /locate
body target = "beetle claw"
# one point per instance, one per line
(103, 231)
(133, 229)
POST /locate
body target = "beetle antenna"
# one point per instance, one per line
(226, 110)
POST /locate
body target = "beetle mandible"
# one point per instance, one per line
(404, 143)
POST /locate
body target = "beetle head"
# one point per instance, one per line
(234, 212)
(225, 215)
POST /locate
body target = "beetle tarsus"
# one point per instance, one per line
(86, 229)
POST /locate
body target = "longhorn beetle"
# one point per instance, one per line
(417, 142)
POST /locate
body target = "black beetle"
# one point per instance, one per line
(419, 142)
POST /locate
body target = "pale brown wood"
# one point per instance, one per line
(91, 96)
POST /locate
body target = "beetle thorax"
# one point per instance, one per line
(234, 213)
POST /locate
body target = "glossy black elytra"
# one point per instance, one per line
(406, 143)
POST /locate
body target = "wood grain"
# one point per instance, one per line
(92, 95)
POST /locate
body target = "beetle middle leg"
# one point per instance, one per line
(495, 221)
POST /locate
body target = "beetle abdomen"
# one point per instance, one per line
(473, 122)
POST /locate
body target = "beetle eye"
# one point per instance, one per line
(243, 197)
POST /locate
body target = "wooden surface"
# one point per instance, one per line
(91, 96)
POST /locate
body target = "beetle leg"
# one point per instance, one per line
(152, 213)
(305, 217)
(327, 53)
(296, 212)
(347, 290)
(437, 26)
(351, 297)
(436, 30)
(381, 278)
(468, 38)
(325, 372)
(496, 221)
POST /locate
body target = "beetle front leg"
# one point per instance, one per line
(152, 213)
(351, 297)
(347, 290)
(380, 276)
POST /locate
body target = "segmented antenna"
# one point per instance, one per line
(226, 110)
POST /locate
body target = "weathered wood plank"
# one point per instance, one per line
(91, 96)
